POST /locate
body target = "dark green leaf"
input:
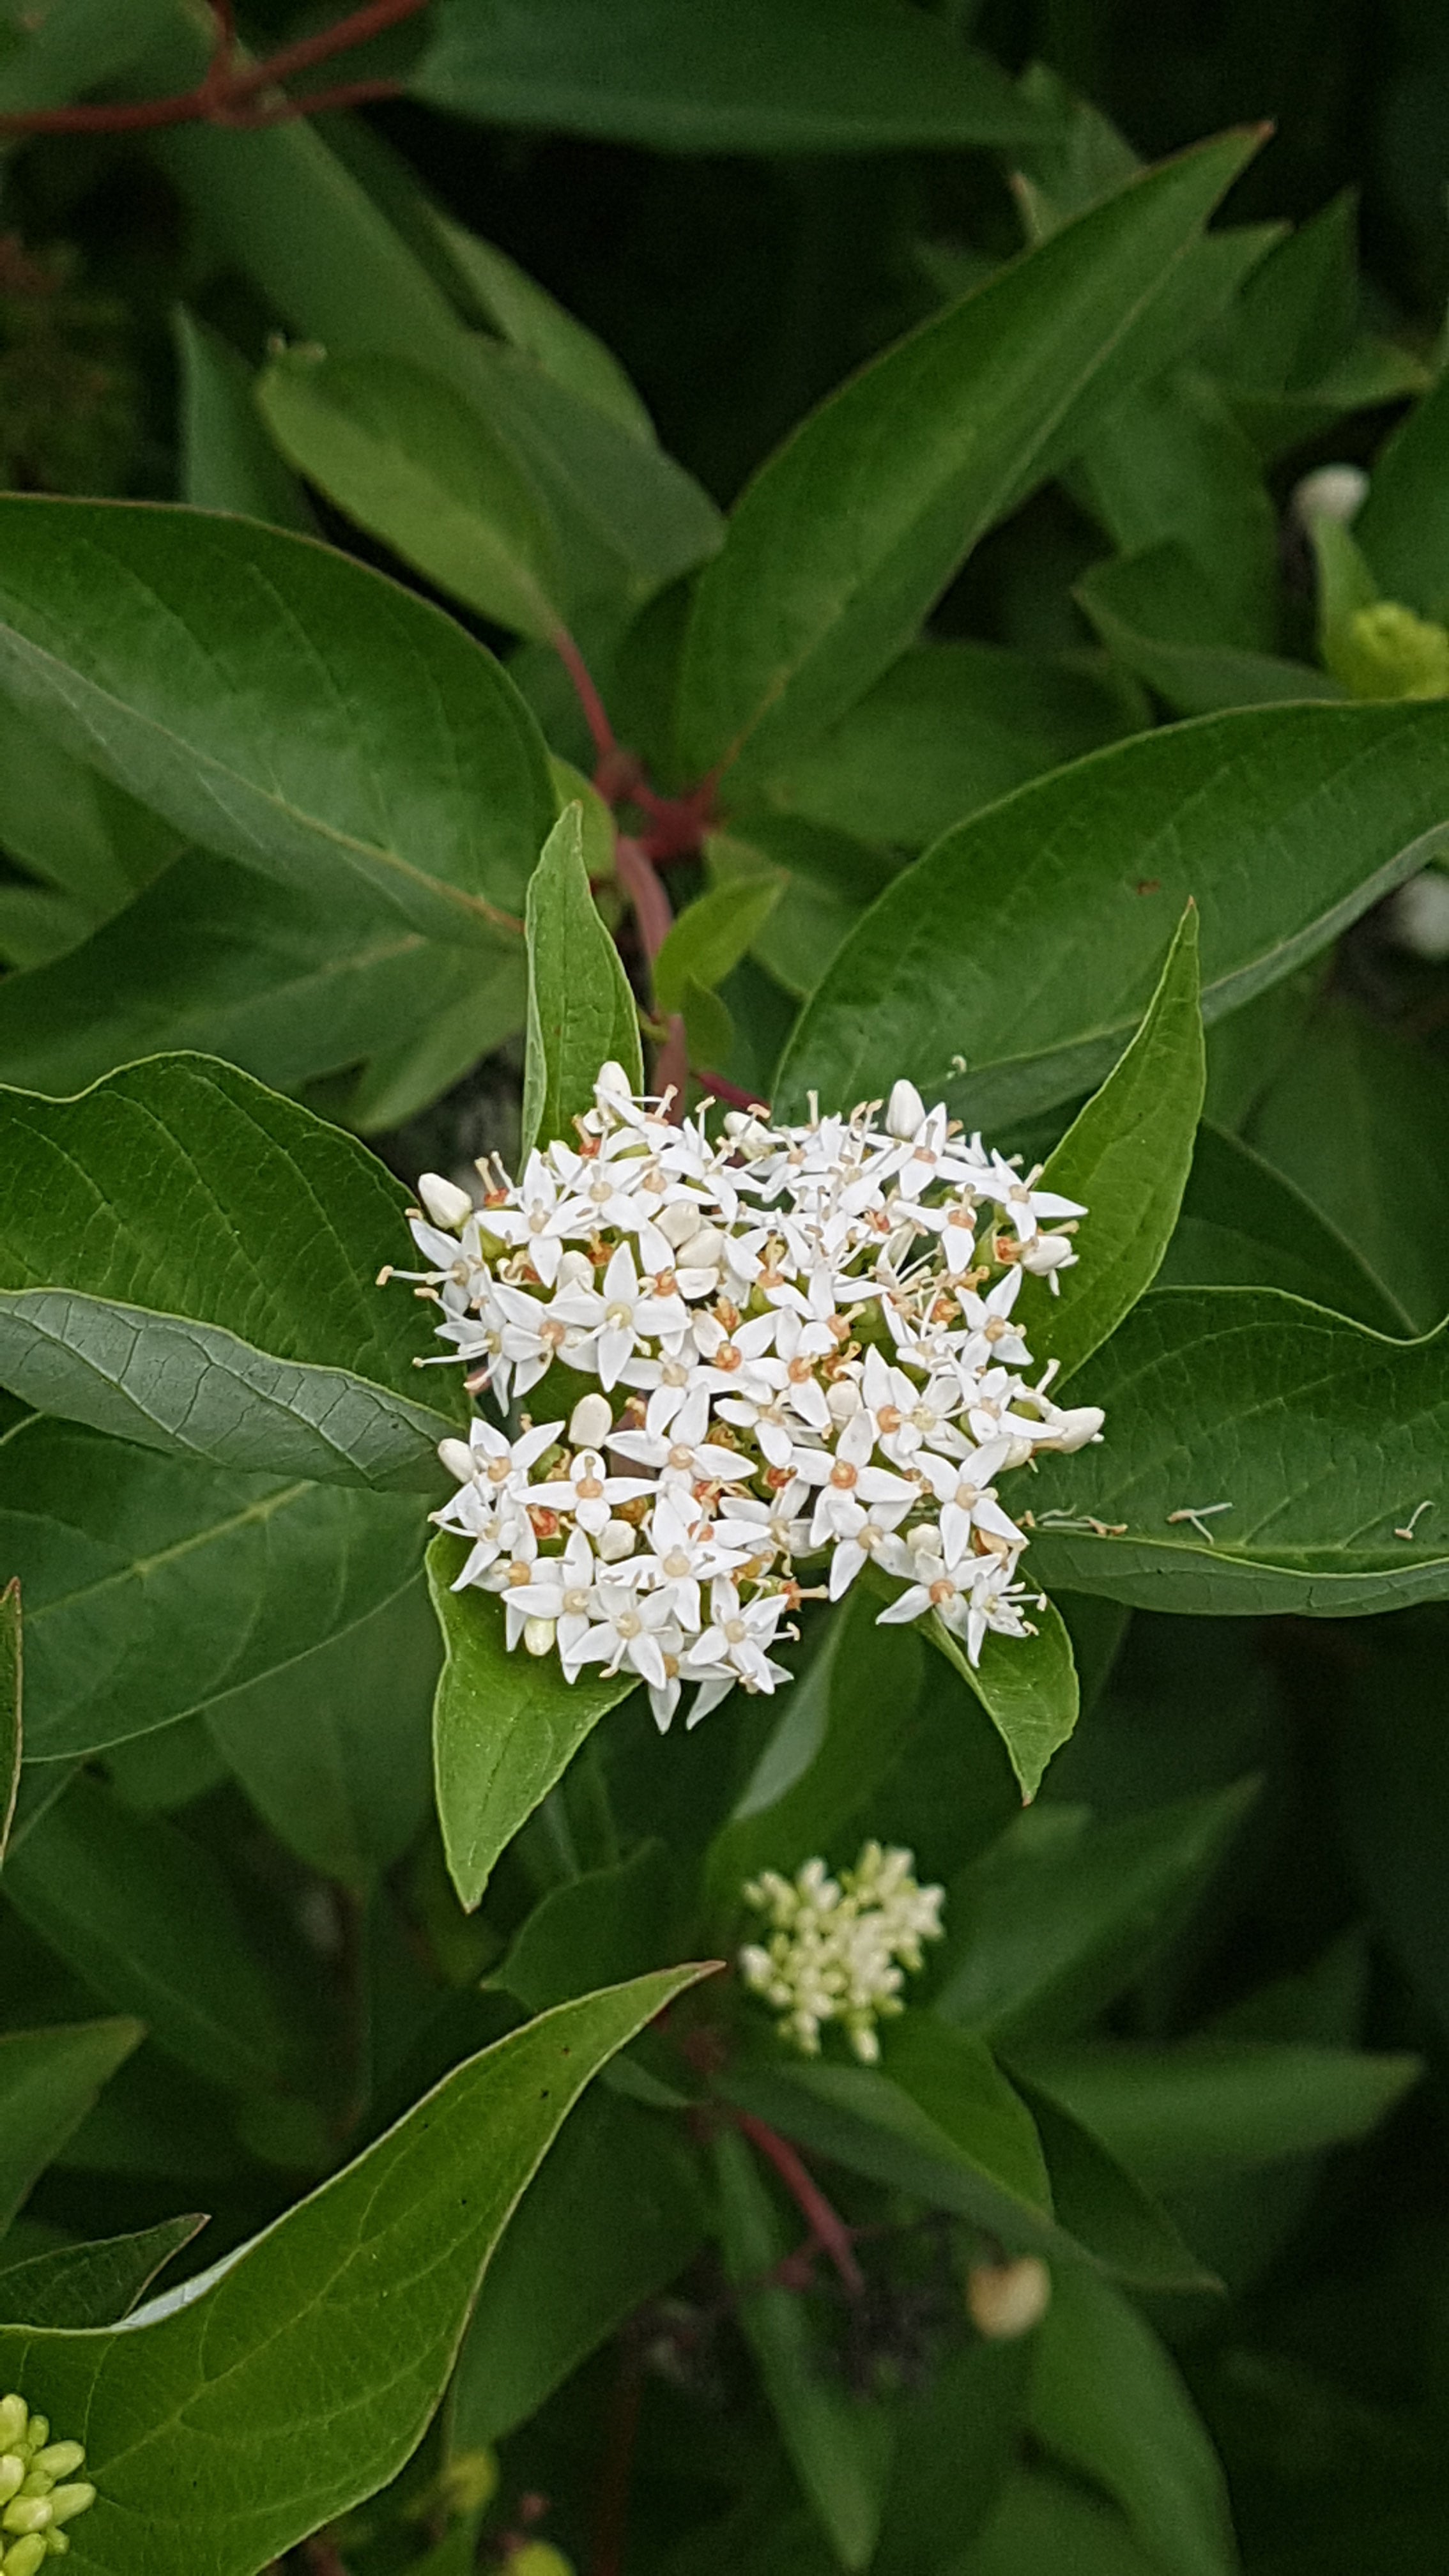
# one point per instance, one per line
(948, 729)
(1150, 613)
(227, 460)
(12, 1736)
(91, 2285)
(529, 319)
(332, 1748)
(956, 2443)
(611, 2219)
(1099, 2203)
(1045, 1929)
(1045, 2525)
(1283, 824)
(226, 2422)
(1126, 1158)
(143, 1914)
(278, 703)
(1393, 1773)
(839, 2447)
(1107, 2400)
(71, 827)
(1207, 2107)
(710, 937)
(156, 1589)
(401, 453)
(1028, 1688)
(581, 1012)
(1403, 526)
(858, 75)
(848, 533)
(190, 1261)
(48, 2081)
(610, 1924)
(505, 1727)
(1244, 1226)
(1323, 1437)
(1357, 1119)
(1170, 464)
(287, 985)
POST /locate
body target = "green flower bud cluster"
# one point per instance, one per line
(1385, 651)
(39, 2490)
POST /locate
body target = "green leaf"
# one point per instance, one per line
(46, 62)
(1048, 1925)
(72, 827)
(1283, 824)
(48, 2081)
(842, 1729)
(287, 985)
(226, 2421)
(609, 2222)
(1403, 526)
(332, 1748)
(1107, 2211)
(1393, 1784)
(1045, 2525)
(820, 880)
(822, 76)
(287, 213)
(401, 453)
(1108, 2401)
(91, 2285)
(1150, 613)
(1027, 1686)
(155, 1588)
(12, 1736)
(530, 319)
(612, 1923)
(849, 532)
(948, 729)
(278, 703)
(505, 1727)
(227, 460)
(840, 2448)
(1170, 464)
(581, 1012)
(1126, 1158)
(711, 937)
(1323, 1437)
(143, 1914)
(936, 2119)
(1357, 1118)
(1206, 2107)
(190, 1261)
(1243, 1225)
(956, 2442)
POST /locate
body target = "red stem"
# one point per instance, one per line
(823, 2220)
(729, 1091)
(223, 95)
(639, 878)
(611, 2507)
(596, 714)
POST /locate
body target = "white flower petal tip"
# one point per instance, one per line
(447, 1205)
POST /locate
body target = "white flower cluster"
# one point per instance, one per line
(805, 1345)
(840, 1947)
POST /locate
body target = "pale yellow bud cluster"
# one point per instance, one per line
(39, 2489)
(840, 1948)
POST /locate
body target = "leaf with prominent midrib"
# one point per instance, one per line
(738, 76)
(227, 2419)
(190, 1261)
(581, 1012)
(505, 1727)
(1323, 1437)
(1126, 1158)
(850, 530)
(278, 703)
(1028, 941)
(156, 1588)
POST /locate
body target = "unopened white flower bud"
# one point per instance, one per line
(591, 1422)
(612, 1079)
(446, 1204)
(14, 2422)
(905, 1111)
(616, 1540)
(27, 2557)
(1331, 492)
(575, 1270)
(538, 1636)
(843, 1397)
(1073, 1428)
(678, 1221)
(59, 2459)
(458, 1458)
(66, 2502)
(12, 2475)
(1419, 918)
(704, 1250)
(1005, 2300)
(1047, 1252)
(27, 2514)
(1018, 1454)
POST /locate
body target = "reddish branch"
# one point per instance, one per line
(230, 91)
(611, 2503)
(827, 2228)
